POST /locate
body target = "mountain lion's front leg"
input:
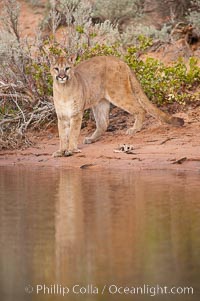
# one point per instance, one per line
(63, 130)
(74, 131)
(69, 130)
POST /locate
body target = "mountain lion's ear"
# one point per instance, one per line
(52, 59)
(72, 58)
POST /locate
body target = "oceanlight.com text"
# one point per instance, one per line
(111, 289)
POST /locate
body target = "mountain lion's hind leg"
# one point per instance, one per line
(128, 102)
(139, 118)
(101, 115)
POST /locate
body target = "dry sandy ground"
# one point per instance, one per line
(156, 147)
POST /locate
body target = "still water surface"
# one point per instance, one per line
(102, 228)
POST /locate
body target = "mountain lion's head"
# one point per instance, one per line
(62, 68)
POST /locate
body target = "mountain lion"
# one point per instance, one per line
(95, 83)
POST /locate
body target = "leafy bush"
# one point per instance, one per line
(166, 84)
(131, 33)
(194, 14)
(114, 10)
(194, 19)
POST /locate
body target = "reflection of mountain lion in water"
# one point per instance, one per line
(94, 84)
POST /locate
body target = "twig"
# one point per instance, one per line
(17, 105)
(10, 95)
(180, 161)
(13, 120)
(164, 141)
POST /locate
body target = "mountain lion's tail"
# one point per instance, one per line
(151, 108)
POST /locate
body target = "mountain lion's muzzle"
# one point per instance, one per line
(62, 77)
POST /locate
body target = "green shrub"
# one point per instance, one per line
(166, 84)
(131, 34)
(114, 10)
(194, 14)
(99, 50)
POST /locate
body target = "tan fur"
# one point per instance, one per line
(94, 84)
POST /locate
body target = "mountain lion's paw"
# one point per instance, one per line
(68, 153)
(88, 140)
(77, 150)
(58, 153)
(132, 131)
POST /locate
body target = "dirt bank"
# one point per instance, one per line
(156, 147)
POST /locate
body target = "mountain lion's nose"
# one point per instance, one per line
(62, 77)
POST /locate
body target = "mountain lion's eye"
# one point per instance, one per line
(67, 68)
(56, 69)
